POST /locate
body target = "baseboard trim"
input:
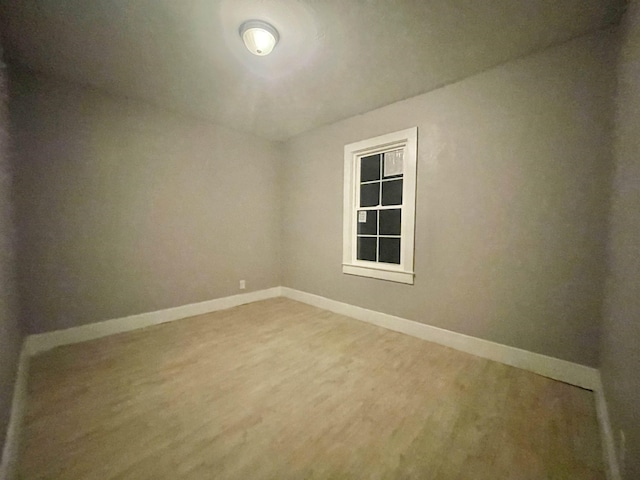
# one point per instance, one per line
(9, 463)
(568, 372)
(573, 373)
(46, 341)
(606, 433)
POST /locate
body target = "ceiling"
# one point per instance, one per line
(335, 59)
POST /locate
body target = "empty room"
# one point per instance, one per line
(304, 239)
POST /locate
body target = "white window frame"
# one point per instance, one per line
(402, 273)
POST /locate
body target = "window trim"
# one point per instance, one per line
(403, 273)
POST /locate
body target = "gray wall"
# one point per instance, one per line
(10, 337)
(512, 195)
(620, 358)
(123, 208)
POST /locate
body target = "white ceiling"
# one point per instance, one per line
(335, 59)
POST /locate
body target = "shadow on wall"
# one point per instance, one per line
(10, 336)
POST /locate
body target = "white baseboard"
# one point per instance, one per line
(9, 463)
(46, 341)
(573, 373)
(606, 434)
(568, 372)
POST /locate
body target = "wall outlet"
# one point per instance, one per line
(622, 452)
(243, 285)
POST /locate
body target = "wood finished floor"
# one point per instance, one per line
(281, 390)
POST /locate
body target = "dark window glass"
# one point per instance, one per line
(370, 168)
(367, 248)
(370, 194)
(392, 192)
(370, 224)
(389, 250)
(390, 221)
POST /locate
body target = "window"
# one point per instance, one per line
(379, 206)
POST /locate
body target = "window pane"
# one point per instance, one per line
(393, 163)
(390, 250)
(367, 248)
(367, 222)
(390, 221)
(370, 194)
(392, 192)
(370, 168)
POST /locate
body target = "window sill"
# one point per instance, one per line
(382, 274)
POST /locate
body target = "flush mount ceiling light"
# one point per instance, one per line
(259, 37)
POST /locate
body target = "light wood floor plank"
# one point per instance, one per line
(281, 390)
